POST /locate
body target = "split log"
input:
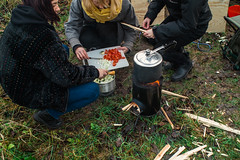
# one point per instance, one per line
(189, 153)
(162, 152)
(131, 105)
(168, 119)
(173, 94)
(126, 107)
(177, 153)
(213, 123)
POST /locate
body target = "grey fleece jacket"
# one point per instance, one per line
(78, 18)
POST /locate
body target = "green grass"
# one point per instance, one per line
(89, 133)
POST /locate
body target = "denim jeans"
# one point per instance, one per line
(79, 96)
(66, 48)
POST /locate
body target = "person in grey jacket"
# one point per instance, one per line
(188, 21)
(95, 24)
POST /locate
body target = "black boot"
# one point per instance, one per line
(46, 119)
(182, 71)
(168, 66)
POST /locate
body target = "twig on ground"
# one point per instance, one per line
(184, 109)
(213, 96)
(2, 137)
(172, 150)
(3, 156)
(177, 153)
(213, 123)
(204, 132)
(168, 119)
(162, 152)
(189, 153)
(173, 94)
(217, 143)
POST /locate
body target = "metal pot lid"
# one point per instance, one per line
(147, 59)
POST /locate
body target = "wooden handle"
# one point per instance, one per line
(133, 27)
(111, 72)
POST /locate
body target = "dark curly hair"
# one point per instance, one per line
(44, 8)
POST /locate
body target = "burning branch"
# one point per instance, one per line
(130, 105)
(127, 106)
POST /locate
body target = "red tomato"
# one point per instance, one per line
(113, 55)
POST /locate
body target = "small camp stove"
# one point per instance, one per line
(147, 81)
(147, 96)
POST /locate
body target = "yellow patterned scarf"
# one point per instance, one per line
(102, 15)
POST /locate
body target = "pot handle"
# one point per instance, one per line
(165, 47)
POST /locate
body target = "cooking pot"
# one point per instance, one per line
(107, 88)
(148, 64)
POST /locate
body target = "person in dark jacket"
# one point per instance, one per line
(95, 24)
(34, 67)
(187, 21)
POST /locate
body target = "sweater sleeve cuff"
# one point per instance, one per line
(74, 41)
(76, 46)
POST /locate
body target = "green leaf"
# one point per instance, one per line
(10, 146)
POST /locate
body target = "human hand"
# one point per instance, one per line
(124, 49)
(146, 23)
(149, 34)
(81, 53)
(102, 73)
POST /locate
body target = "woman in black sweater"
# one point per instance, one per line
(34, 67)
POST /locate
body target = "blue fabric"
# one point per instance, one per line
(66, 48)
(79, 96)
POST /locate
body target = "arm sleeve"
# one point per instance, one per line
(129, 34)
(75, 23)
(154, 8)
(54, 65)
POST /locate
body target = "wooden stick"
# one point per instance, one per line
(177, 153)
(168, 119)
(173, 94)
(130, 106)
(138, 109)
(213, 123)
(172, 150)
(126, 107)
(189, 153)
(133, 27)
(204, 132)
(184, 109)
(162, 152)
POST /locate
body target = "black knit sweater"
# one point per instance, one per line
(34, 69)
